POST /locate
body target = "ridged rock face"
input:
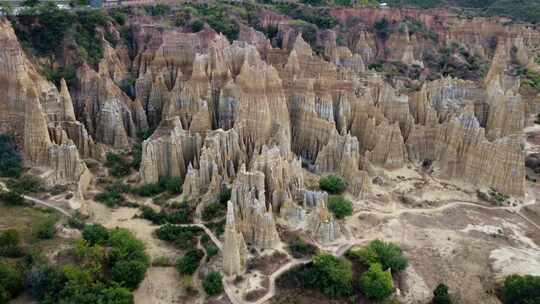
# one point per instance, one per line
(107, 112)
(29, 106)
(169, 152)
(255, 105)
(234, 247)
(389, 151)
(321, 224)
(253, 214)
(220, 159)
(462, 151)
(282, 178)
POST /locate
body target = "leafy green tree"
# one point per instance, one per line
(188, 264)
(173, 185)
(197, 25)
(519, 289)
(129, 273)
(118, 167)
(7, 9)
(95, 234)
(45, 281)
(225, 195)
(388, 254)
(376, 284)
(10, 160)
(333, 184)
(213, 284)
(340, 206)
(10, 237)
(25, 184)
(9, 243)
(213, 211)
(440, 295)
(11, 281)
(47, 229)
(333, 275)
(11, 198)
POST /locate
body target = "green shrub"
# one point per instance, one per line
(25, 184)
(173, 185)
(382, 29)
(158, 9)
(10, 241)
(388, 254)
(111, 198)
(327, 273)
(225, 195)
(188, 264)
(147, 190)
(213, 284)
(332, 184)
(340, 206)
(11, 282)
(376, 284)
(11, 198)
(129, 273)
(47, 229)
(300, 249)
(211, 250)
(10, 160)
(68, 73)
(334, 275)
(45, 281)
(182, 237)
(197, 25)
(213, 211)
(441, 296)
(95, 234)
(519, 289)
(118, 167)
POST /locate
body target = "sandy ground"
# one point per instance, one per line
(162, 285)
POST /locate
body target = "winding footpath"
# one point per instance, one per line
(46, 204)
(337, 249)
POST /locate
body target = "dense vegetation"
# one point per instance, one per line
(188, 264)
(182, 237)
(340, 206)
(103, 267)
(212, 284)
(387, 254)
(376, 283)
(176, 213)
(10, 160)
(521, 289)
(44, 27)
(441, 295)
(332, 184)
(523, 10)
(329, 274)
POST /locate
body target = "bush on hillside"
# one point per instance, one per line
(332, 184)
(388, 254)
(213, 284)
(340, 206)
(213, 211)
(117, 165)
(440, 295)
(11, 198)
(376, 284)
(519, 289)
(188, 264)
(95, 234)
(10, 160)
(47, 229)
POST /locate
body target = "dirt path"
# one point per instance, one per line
(48, 205)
